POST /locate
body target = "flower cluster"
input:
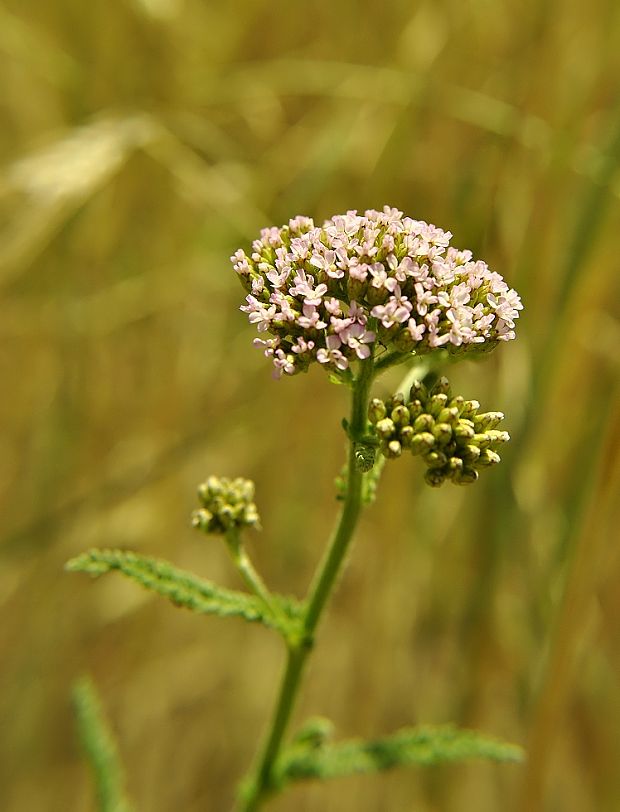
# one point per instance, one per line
(227, 504)
(454, 440)
(361, 282)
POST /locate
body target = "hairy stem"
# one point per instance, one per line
(248, 573)
(261, 783)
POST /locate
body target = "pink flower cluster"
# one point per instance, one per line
(364, 282)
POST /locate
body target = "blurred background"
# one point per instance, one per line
(141, 143)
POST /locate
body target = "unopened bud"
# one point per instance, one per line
(418, 392)
(465, 477)
(487, 457)
(448, 415)
(423, 423)
(435, 459)
(455, 464)
(385, 428)
(393, 450)
(481, 440)
(376, 410)
(434, 477)
(422, 442)
(496, 436)
(462, 431)
(442, 385)
(442, 432)
(488, 420)
(400, 415)
(470, 408)
(470, 453)
(415, 408)
(407, 434)
(437, 403)
(458, 403)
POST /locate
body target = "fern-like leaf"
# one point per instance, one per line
(407, 747)
(187, 590)
(100, 747)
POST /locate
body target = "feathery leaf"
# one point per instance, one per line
(406, 747)
(187, 590)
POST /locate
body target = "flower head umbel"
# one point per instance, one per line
(227, 505)
(336, 293)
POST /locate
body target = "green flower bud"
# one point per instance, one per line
(422, 442)
(227, 504)
(465, 477)
(400, 415)
(435, 459)
(457, 403)
(396, 400)
(418, 392)
(415, 408)
(462, 431)
(423, 423)
(434, 477)
(470, 453)
(393, 450)
(385, 428)
(470, 408)
(455, 464)
(437, 403)
(481, 440)
(407, 434)
(487, 457)
(201, 519)
(376, 410)
(495, 436)
(448, 415)
(488, 420)
(442, 432)
(442, 386)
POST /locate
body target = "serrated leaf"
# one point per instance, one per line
(185, 589)
(100, 747)
(418, 746)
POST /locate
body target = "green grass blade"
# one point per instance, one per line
(100, 747)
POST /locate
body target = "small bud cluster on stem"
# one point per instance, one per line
(227, 505)
(454, 440)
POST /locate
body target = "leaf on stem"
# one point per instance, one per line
(185, 589)
(100, 747)
(417, 746)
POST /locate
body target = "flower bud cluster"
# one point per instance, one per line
(227, 504)
(336, 293)
(452, 437)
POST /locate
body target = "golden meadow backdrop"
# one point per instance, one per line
(141, 142)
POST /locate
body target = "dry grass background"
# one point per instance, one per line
(141, 142)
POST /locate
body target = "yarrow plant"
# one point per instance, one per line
(355, 296)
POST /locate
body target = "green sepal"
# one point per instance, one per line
(417, 746)
(188, 591)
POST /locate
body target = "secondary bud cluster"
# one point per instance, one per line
(227, 504)
(452, 437)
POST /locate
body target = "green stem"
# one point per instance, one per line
(261, 784)
(250, 576)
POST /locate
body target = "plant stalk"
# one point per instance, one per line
(261, 785)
